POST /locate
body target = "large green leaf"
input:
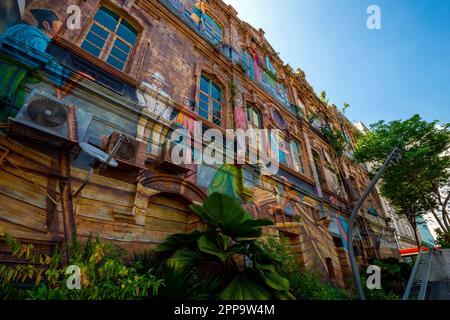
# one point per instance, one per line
(283, 295)
(178, 241)
(214, 244)
(275, 281)
(264, 256)
(183, 259)
(243, 289)
(224, 213)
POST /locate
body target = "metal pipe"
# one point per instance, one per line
(353, 216)
(93, 167)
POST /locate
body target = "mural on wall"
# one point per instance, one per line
(195, 13)
(10, 13)
(32, 38)
(23, 49)
(227, 179)
(341, 224)
(153, 107)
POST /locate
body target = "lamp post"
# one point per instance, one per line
(395, 154)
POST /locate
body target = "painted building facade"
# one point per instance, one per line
(134, 71)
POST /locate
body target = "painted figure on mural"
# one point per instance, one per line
(36, 38)
(149, 97)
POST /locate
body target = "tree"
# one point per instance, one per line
(227, 252)
(415, 184)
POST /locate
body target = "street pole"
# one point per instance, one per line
(353, 216)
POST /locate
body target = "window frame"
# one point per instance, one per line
(297, 154)
(211, 100)
(110, 41)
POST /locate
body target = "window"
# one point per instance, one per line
(212, 30)
(210, 102)
(284, 152)
(297, 157)
(318, 163)
(253, 117)
(110, 38)
(247, 63)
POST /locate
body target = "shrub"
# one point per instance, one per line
(443, 239)
(104, 275)
(225, 261)
(305, 284)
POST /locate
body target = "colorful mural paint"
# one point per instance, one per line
(195, 13)
(340, 223)
(10, 13)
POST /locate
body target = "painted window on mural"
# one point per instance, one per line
(253, 117)
(111, 38)
(210, 102)
(270, 67)
(283, 152)
(265, 76)
(208, 27)
(212, 30)
(247, 62)
(297, 156)
(284, 94)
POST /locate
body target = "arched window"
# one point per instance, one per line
(210, 102)
(111, 38)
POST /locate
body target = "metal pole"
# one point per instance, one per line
(351, 225)
(412, 277)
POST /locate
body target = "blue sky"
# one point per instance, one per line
(387, 74)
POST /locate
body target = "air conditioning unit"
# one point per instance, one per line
(131, 153)
(46, 119)
(165, 160)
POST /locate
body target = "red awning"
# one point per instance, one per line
(414, 251)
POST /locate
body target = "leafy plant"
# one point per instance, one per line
(336, 139)
(227, 252)
(305, 284)
(394, 274)
(104, 275)
(416, 183)
(443, 239)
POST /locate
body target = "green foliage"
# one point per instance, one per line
(227, 252)
(346, 107)
(104, 275)
(335, 138)
(394, 274)
(305, 284)
(323, 98)
(443, 239)
(412, 185)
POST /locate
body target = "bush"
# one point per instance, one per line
(104, 275)
(224, 262)
(443, 239)
(305, 284)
